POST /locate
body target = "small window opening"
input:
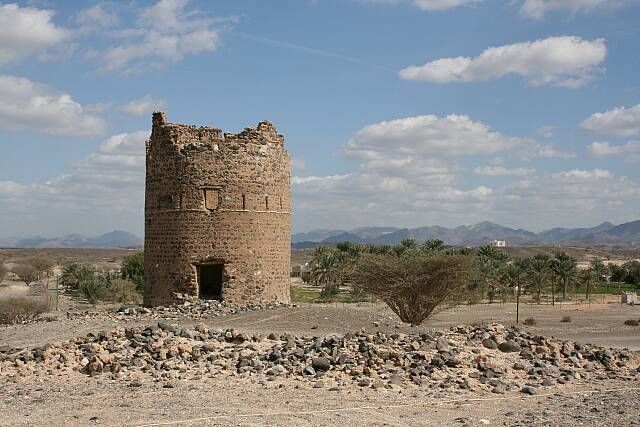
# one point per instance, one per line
(280, 203)
(244, 203)
(266, 202)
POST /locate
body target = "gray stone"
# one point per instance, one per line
(509, 346)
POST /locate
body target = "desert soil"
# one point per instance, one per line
(77, 399)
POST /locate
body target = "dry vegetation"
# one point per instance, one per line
(414, 286)
(18, 310)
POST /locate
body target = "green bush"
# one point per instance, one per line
(631, 322)
(122, 291)
(93, 290)
(566, 319)
(133, 269)
(17, 310)
(530, 321)
(329, 293)
(75, 274)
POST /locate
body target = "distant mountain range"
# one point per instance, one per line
(627, 234)
(113, 239)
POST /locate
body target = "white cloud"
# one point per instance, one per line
(144, 105)
(534, 150)
(604, 149)
(427, 136)
(545, 131)
(620, 121)
(105, 190)
(25, 31)
(96, 17)
(33, 107)
(537, 9)
(166, 33)
(566, 61)
(429, 5)
(501, 171)
(437, 5)
(569, 198)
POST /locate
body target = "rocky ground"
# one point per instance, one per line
(320, 365)
(186, 308)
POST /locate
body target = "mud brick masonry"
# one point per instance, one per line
(217, 214)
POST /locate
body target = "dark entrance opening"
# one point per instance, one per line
(210, 281)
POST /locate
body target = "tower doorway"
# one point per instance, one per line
(210, 281)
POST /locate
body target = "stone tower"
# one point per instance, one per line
(217, 214)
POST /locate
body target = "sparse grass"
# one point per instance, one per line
(631, 322)
(565, 319)
(17, 310)
(303, 295)
(530, 321)
(300, 295)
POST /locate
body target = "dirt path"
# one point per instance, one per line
(81, 400)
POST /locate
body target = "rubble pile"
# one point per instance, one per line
(186, 307)
(490, 358)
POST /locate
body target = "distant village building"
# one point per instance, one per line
(298, 270)
(629, 298)
(498, 243)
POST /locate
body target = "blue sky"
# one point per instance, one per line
(396, 112)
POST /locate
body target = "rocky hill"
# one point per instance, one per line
(627, 234)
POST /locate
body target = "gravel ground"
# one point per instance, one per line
(80, 400)
(77, 399)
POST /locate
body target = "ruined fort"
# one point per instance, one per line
(217, 214)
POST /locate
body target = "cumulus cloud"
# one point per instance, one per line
(144, 105)
(28, 106)
(566, 61)
(537, 9)
(501, 171)
(166, 33)
(25, 31)
(563, 198)
(604, 149)
(427, 136)
(620, 121)
(406, 177)
(568, 198)
(104, 190)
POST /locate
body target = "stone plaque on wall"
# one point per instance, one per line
(211, 198)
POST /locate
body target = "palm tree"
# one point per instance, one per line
(490, 264)
(586, 280)
(511, 276)
(565, 270)
(326, 267)
(433, 245)
(539, 272)
(73, 275)
(599, 271)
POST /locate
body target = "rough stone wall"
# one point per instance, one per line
(213, 197)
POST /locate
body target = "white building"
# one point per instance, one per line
(498, 243)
